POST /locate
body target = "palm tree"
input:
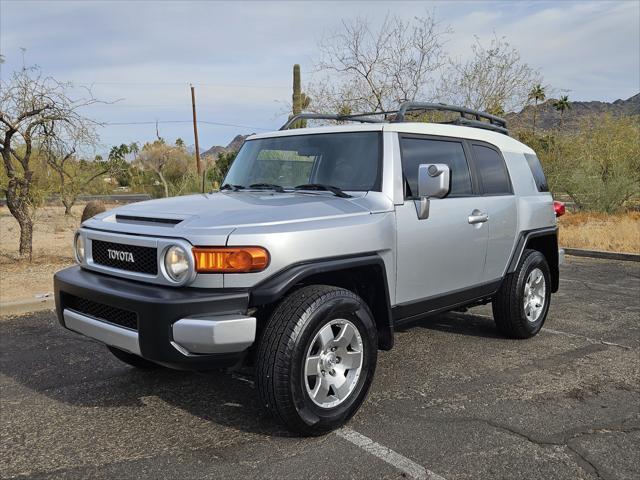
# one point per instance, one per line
(562, 105)
(537, 95)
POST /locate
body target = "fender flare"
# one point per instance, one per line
(550, 236)
(277, 286)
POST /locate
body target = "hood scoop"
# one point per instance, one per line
(139, 220)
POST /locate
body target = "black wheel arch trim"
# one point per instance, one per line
(550, 236)
(279, 284)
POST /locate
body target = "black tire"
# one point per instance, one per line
(282, 352)
(132, 359)
(508, 304)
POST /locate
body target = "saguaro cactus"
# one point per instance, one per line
(300, 101)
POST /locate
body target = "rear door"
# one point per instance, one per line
(499, 203)
(444, 253)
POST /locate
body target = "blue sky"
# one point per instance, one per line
(239, 54)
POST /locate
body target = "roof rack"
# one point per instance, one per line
(496, 124)
(358, 117)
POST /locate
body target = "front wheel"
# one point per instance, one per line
(522, 303)
(317, 358)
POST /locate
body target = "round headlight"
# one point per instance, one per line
(176, 263)
(78, 247)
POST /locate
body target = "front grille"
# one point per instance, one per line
(100, 311)
(132, 258)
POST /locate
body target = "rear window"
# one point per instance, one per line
(536, 171)
(492, 171)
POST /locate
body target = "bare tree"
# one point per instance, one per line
(374, 69)
(494, 79)
(30, 104)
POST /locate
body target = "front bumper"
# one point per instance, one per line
(184, 328)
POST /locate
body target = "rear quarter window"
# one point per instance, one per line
(537, 172)
(492, 171)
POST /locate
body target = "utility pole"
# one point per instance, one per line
(195, 129)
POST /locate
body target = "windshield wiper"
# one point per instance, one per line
(267, 186)
(321, 186)
(229, 186)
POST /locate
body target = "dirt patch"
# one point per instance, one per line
(52, 250)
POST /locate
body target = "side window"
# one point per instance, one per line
(416, 151)
(491, 170)
(536, 171)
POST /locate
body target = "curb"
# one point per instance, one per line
(26, 306)
(577, 252)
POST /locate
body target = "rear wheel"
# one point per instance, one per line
(317, 358)
(521, 306)
(132, 359)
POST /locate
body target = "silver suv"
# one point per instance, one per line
(320, 242)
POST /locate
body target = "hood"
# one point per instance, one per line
(229, 210)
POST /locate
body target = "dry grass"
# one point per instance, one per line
(599, 231)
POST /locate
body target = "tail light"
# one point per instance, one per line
(559, 208)
(230, 259)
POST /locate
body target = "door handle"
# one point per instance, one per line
(478, 217)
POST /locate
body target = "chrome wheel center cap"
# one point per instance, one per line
(328, 359)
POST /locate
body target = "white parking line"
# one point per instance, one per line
(402, 463)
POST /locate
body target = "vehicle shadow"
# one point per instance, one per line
(458, 323)
(38, 354)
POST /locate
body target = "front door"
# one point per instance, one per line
(444, 253)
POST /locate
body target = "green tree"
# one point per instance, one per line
(222, 166)
(537, 94)
(75, 175)
(171, 165)
(561, 105)
(118, 161)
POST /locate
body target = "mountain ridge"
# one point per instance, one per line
(547, 117)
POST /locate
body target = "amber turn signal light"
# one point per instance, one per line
(230, 259)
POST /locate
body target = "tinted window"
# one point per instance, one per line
(538, 174)
(416, 151)
(492, 171)
(350, 161)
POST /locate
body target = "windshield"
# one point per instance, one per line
(348, 161)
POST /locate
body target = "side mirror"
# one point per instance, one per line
(433, 182)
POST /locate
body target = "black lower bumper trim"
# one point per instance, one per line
(156, 308)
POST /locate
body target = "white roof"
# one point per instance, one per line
(500, 140)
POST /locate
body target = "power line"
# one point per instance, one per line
(204, 84)
(185, 121)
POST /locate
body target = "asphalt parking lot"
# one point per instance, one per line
(452, 400)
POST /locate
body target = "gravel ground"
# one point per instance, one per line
(452, 400)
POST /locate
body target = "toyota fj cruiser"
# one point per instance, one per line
(319, 242)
